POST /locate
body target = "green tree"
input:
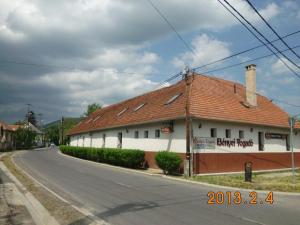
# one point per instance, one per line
(91, 108)
(52, 134)
(25, 138)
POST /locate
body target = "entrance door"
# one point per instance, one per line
(120, 140)
(260, 141)
(287, 139)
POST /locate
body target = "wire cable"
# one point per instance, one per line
(296, 74)
(241, 52)
(247, 61)
(172, 27)
(274, 31)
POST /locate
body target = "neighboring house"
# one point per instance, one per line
(229, 125)
(39, 140)
(7, 138)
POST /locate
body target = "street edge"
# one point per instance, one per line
(38, 212)
(179, 179)
(96, 220)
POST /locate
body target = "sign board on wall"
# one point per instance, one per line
(204, 143)
(275, 136)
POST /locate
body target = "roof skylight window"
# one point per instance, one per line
(96, 118)
(89, 120)
(139, 107)
(173, 99)
(120, 113)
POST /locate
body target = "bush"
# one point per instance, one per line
(120, 157)
(169, 162)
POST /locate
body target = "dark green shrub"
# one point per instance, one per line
(120, 157)
(169, 162)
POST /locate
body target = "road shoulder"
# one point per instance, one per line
(48, 207)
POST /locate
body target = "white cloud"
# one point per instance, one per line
(206, 49)
(278, 67)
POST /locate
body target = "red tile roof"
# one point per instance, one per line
(211, 98)
(8, 127)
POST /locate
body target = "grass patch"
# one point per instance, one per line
(271, 181)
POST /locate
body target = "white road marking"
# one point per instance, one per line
(252, 221)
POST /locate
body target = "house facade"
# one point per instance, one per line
(7, 137)
(229, 125)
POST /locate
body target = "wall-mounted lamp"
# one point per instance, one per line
(200, 125)
(251, 129)
(127, 130)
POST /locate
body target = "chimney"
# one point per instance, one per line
(251, 85)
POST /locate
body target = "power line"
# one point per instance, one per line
(247, 61)
(172, 27)
(296, 74)
(254, 28)
(274, 31)
(244, 51)
(58, 66)
(284, 102)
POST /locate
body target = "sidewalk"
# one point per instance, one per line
(12, 210)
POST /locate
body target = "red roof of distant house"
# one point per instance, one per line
(211, 98)
(8, 127)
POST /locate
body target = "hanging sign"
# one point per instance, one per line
(166, 130)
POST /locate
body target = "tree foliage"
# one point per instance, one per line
(92, 108)
(30, 117)
(25, 138)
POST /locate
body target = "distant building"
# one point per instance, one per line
(7, 138)
(230, 125)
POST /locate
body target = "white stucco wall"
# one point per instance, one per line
(176, 141)
(270, 145)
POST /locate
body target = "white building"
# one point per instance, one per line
(230, 125)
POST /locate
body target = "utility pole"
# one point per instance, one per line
(28, 110)
(292, 121)
(188, 81)
(62, 130)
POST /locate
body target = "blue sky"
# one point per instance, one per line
(108, 51)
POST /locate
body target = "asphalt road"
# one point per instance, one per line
(126, 198)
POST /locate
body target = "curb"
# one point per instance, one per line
(38, 212)
(179, 179)
(96, 220)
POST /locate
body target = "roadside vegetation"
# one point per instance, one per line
(271, 181)
(169, 162)
(119, 157)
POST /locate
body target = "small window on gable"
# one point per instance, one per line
(213, 132)
(139, 107)
(173, 99)
(120, 113)
(228, 133)
(241, 134)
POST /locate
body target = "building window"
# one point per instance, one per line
(173, 99)
(136, 134)
(146, 134)
(228, 133)
(241, 134)
(157, 133)
(213, 132)
(103, 138)
(139, 107)
(120, 113)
